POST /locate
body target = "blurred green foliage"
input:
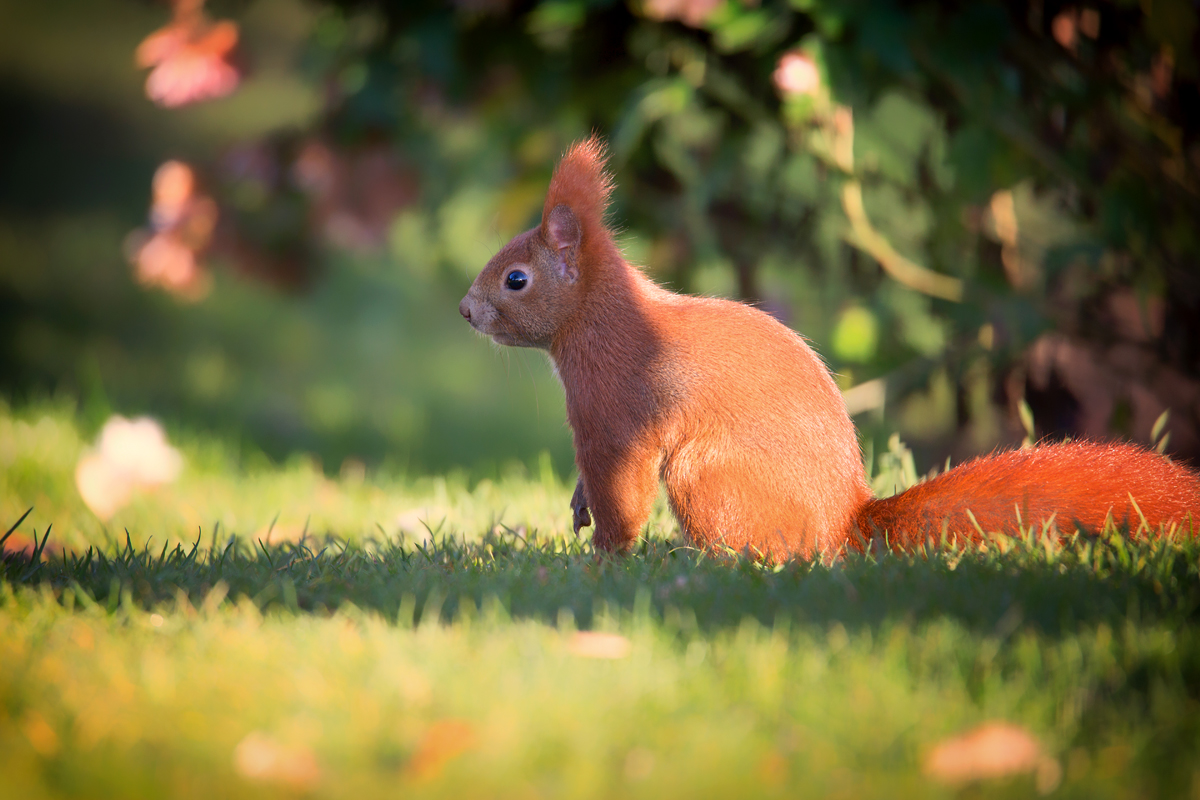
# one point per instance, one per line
(1038, 158)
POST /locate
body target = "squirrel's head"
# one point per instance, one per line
(538, 281)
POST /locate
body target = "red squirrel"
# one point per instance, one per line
(741, 419)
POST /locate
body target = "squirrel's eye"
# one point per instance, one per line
(516, 280)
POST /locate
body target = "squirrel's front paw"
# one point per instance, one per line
(580, 516)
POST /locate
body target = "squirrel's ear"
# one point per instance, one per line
(563, 233)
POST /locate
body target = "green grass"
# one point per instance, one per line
(369, 660)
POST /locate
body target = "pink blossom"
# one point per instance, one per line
(797, 74)
(182, 222)
(689, 12)
(190, 59)
(164, 260)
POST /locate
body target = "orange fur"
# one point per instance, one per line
(741, 420)
(1079, 485)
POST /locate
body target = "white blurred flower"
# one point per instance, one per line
(139, 448)
(129, 455)
(102, 488)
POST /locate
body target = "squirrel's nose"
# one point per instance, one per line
(465, 310)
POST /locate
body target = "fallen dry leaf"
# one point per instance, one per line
(25, 545)
(40, 734)
(594, 644)
(443, 741)
(260, 757)
(992, 750)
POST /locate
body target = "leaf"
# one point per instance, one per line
(552, 23)
(1159, 424)
(1026, 415)
(981, 161)
(737, 28)
(883, 36)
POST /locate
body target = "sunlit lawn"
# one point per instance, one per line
(355, 654)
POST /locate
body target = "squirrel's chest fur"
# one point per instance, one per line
(626, 375)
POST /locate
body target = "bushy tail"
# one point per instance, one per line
(1077, 485)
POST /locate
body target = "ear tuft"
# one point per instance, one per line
(581, 184)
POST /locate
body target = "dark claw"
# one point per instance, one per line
(581, 517)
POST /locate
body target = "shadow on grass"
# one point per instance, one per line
(1057, 589)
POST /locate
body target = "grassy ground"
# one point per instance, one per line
(370, 658)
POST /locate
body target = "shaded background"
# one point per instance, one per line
(1027, 231)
